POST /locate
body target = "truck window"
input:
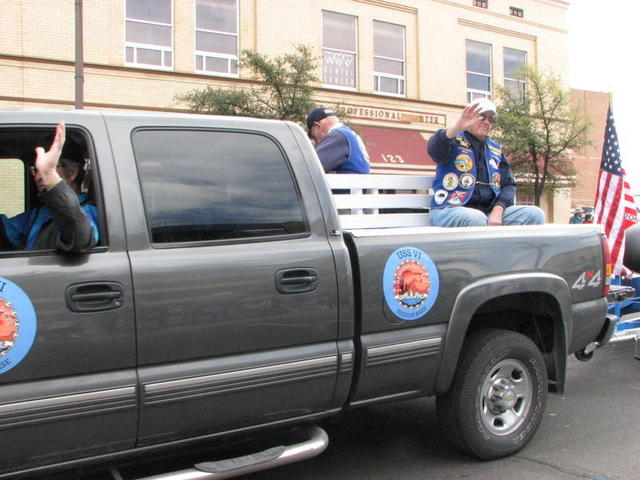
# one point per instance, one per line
(24, 223)
(12, 186)
(212, 185)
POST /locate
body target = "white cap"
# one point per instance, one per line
(485, 105)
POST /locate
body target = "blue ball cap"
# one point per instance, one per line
(316, 115)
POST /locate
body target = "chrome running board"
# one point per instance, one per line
(273, 457)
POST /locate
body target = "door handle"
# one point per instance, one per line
(94, 296)
(296, 280)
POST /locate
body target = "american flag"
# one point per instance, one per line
(614, 207)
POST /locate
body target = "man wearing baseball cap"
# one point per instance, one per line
(473, 185)
(340, 149)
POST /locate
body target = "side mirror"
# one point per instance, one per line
(631, 258)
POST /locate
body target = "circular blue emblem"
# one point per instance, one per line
(17, 325)
(410, 283)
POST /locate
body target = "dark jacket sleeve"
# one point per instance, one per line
(440, 147)
(75, 232)
(5, 244)
(333, 150)
(507, 184)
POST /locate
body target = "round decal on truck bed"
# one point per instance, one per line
(410, 283)
(17, 325)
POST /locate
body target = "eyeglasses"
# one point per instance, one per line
(490, 118)
(33, 170)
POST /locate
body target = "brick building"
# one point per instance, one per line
(587, 161)
(401, 69)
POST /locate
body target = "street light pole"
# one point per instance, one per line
(79, 77)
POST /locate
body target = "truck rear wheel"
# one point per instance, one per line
(497, 398)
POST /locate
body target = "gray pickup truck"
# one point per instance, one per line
(224, 298)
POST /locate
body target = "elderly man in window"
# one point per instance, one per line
(65, 221)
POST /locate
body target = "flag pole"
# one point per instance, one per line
(611, 101)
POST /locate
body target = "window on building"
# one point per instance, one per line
(388, 58)
(149, 33)
(339, 49)
(478, 70)
(217, 36)
(525, 197)
(208, 191)
(516, 12)
(481, 3)
(515, 61)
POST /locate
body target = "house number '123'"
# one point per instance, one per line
(391, 158)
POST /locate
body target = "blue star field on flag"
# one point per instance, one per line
(611, 148)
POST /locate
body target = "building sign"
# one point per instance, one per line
(438, 120)
(434, 119)
(339, 69)
(373, 113)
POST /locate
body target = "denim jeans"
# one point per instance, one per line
(470, 217)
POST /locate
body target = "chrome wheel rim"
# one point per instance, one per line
(506, 397)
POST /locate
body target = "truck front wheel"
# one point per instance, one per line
(497, 397)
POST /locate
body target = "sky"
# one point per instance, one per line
(603, 53)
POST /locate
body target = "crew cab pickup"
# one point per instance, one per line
(225, 297)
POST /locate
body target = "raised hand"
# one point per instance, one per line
(469, 118)
(46, 174)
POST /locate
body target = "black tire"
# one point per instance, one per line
(497, 398)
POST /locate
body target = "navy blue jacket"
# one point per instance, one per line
(442, 149)
(61, 223)
(342, 151)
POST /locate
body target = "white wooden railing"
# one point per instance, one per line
(375, 201)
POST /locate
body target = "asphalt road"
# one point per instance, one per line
(590, 432)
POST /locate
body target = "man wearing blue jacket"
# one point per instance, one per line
(339, 148)
(473, 185)
(65, 221)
